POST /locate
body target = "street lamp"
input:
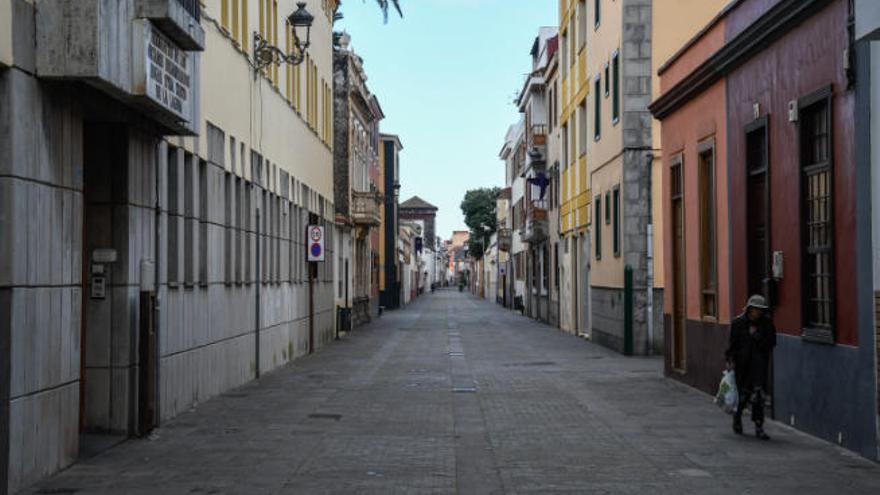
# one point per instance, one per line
(266, 54)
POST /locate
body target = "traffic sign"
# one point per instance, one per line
(315, 241)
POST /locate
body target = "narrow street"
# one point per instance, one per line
(457, 395)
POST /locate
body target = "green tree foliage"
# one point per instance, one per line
(478, 207)
(384, 4)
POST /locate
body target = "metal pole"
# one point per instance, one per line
(628, 311)
(257, 308)
(650, 294)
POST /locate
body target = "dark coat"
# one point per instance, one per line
(751, 353)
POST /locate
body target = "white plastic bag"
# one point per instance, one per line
(728, 396)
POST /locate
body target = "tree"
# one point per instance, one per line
(478, 207)
(384, 4)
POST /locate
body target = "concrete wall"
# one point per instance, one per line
(53, 137)
(40, 215)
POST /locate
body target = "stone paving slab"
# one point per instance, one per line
(456, 395)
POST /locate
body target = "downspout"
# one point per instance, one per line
(649, 307)
(157, 321)
(258, 281)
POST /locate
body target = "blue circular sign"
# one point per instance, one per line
(316, 250)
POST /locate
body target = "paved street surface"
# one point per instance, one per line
(456, 395)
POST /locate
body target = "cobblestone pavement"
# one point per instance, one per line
(456, 395)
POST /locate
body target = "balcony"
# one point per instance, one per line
(537, 226)
(505, 239)
(537, 153)
(139, 52)
(178, 19)
(365, 209)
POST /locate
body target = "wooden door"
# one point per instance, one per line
(679, 306)
(758, 210)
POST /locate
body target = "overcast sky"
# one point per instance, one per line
(446, 75)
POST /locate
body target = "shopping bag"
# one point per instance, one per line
(727, 397)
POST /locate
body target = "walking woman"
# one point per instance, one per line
(752, 339)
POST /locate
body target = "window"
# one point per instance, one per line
(563, 54)
(239, 210)
(597, 7)
(173, 215)
(615, 87)
(203, 223)
(572, 140)
(582, 123)
(616, 220)
(597, 116)
(189, 220)
(817, 215)
(708, 253)
(556, 265)
(607, 80)
(245, 34)
(551, 105)
(597, 228)
(582, 24)
(564, 146)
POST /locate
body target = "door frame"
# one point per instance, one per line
(678, 271)
(756, 126)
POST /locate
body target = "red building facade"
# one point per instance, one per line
(763, 106)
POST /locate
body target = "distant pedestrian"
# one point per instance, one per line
(752, 339)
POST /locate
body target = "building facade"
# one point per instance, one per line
(867, 33)
(169, 236)
(573, 89)
(357, 116)
(786, 215)
(389, 261)
(535, 224)
(513, 153)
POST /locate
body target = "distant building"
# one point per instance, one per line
(356, 171)
(390, 281)
(417, 210)
(536, 201)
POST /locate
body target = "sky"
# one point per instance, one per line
(446, 75)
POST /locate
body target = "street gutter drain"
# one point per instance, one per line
(58, 491)
(334, 417)
(464, 390)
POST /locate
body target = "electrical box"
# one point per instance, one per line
(778, 266)
(148, 276)
(792, 111)
(98, 287)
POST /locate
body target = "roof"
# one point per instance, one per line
(417, 202)
(393, 138)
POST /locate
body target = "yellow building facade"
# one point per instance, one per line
(628, 41)
(574, 199)
(573, 92)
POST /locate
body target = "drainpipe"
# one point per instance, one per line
(157, 321)
(649, 309)
(628, 311)
(650, 289)
(258, 281)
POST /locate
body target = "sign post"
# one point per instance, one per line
(315, 241)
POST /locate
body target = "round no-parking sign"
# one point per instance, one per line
(316, 243)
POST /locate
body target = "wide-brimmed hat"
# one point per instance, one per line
(757, 301)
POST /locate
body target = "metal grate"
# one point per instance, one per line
(192, 6)
(817, 214)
